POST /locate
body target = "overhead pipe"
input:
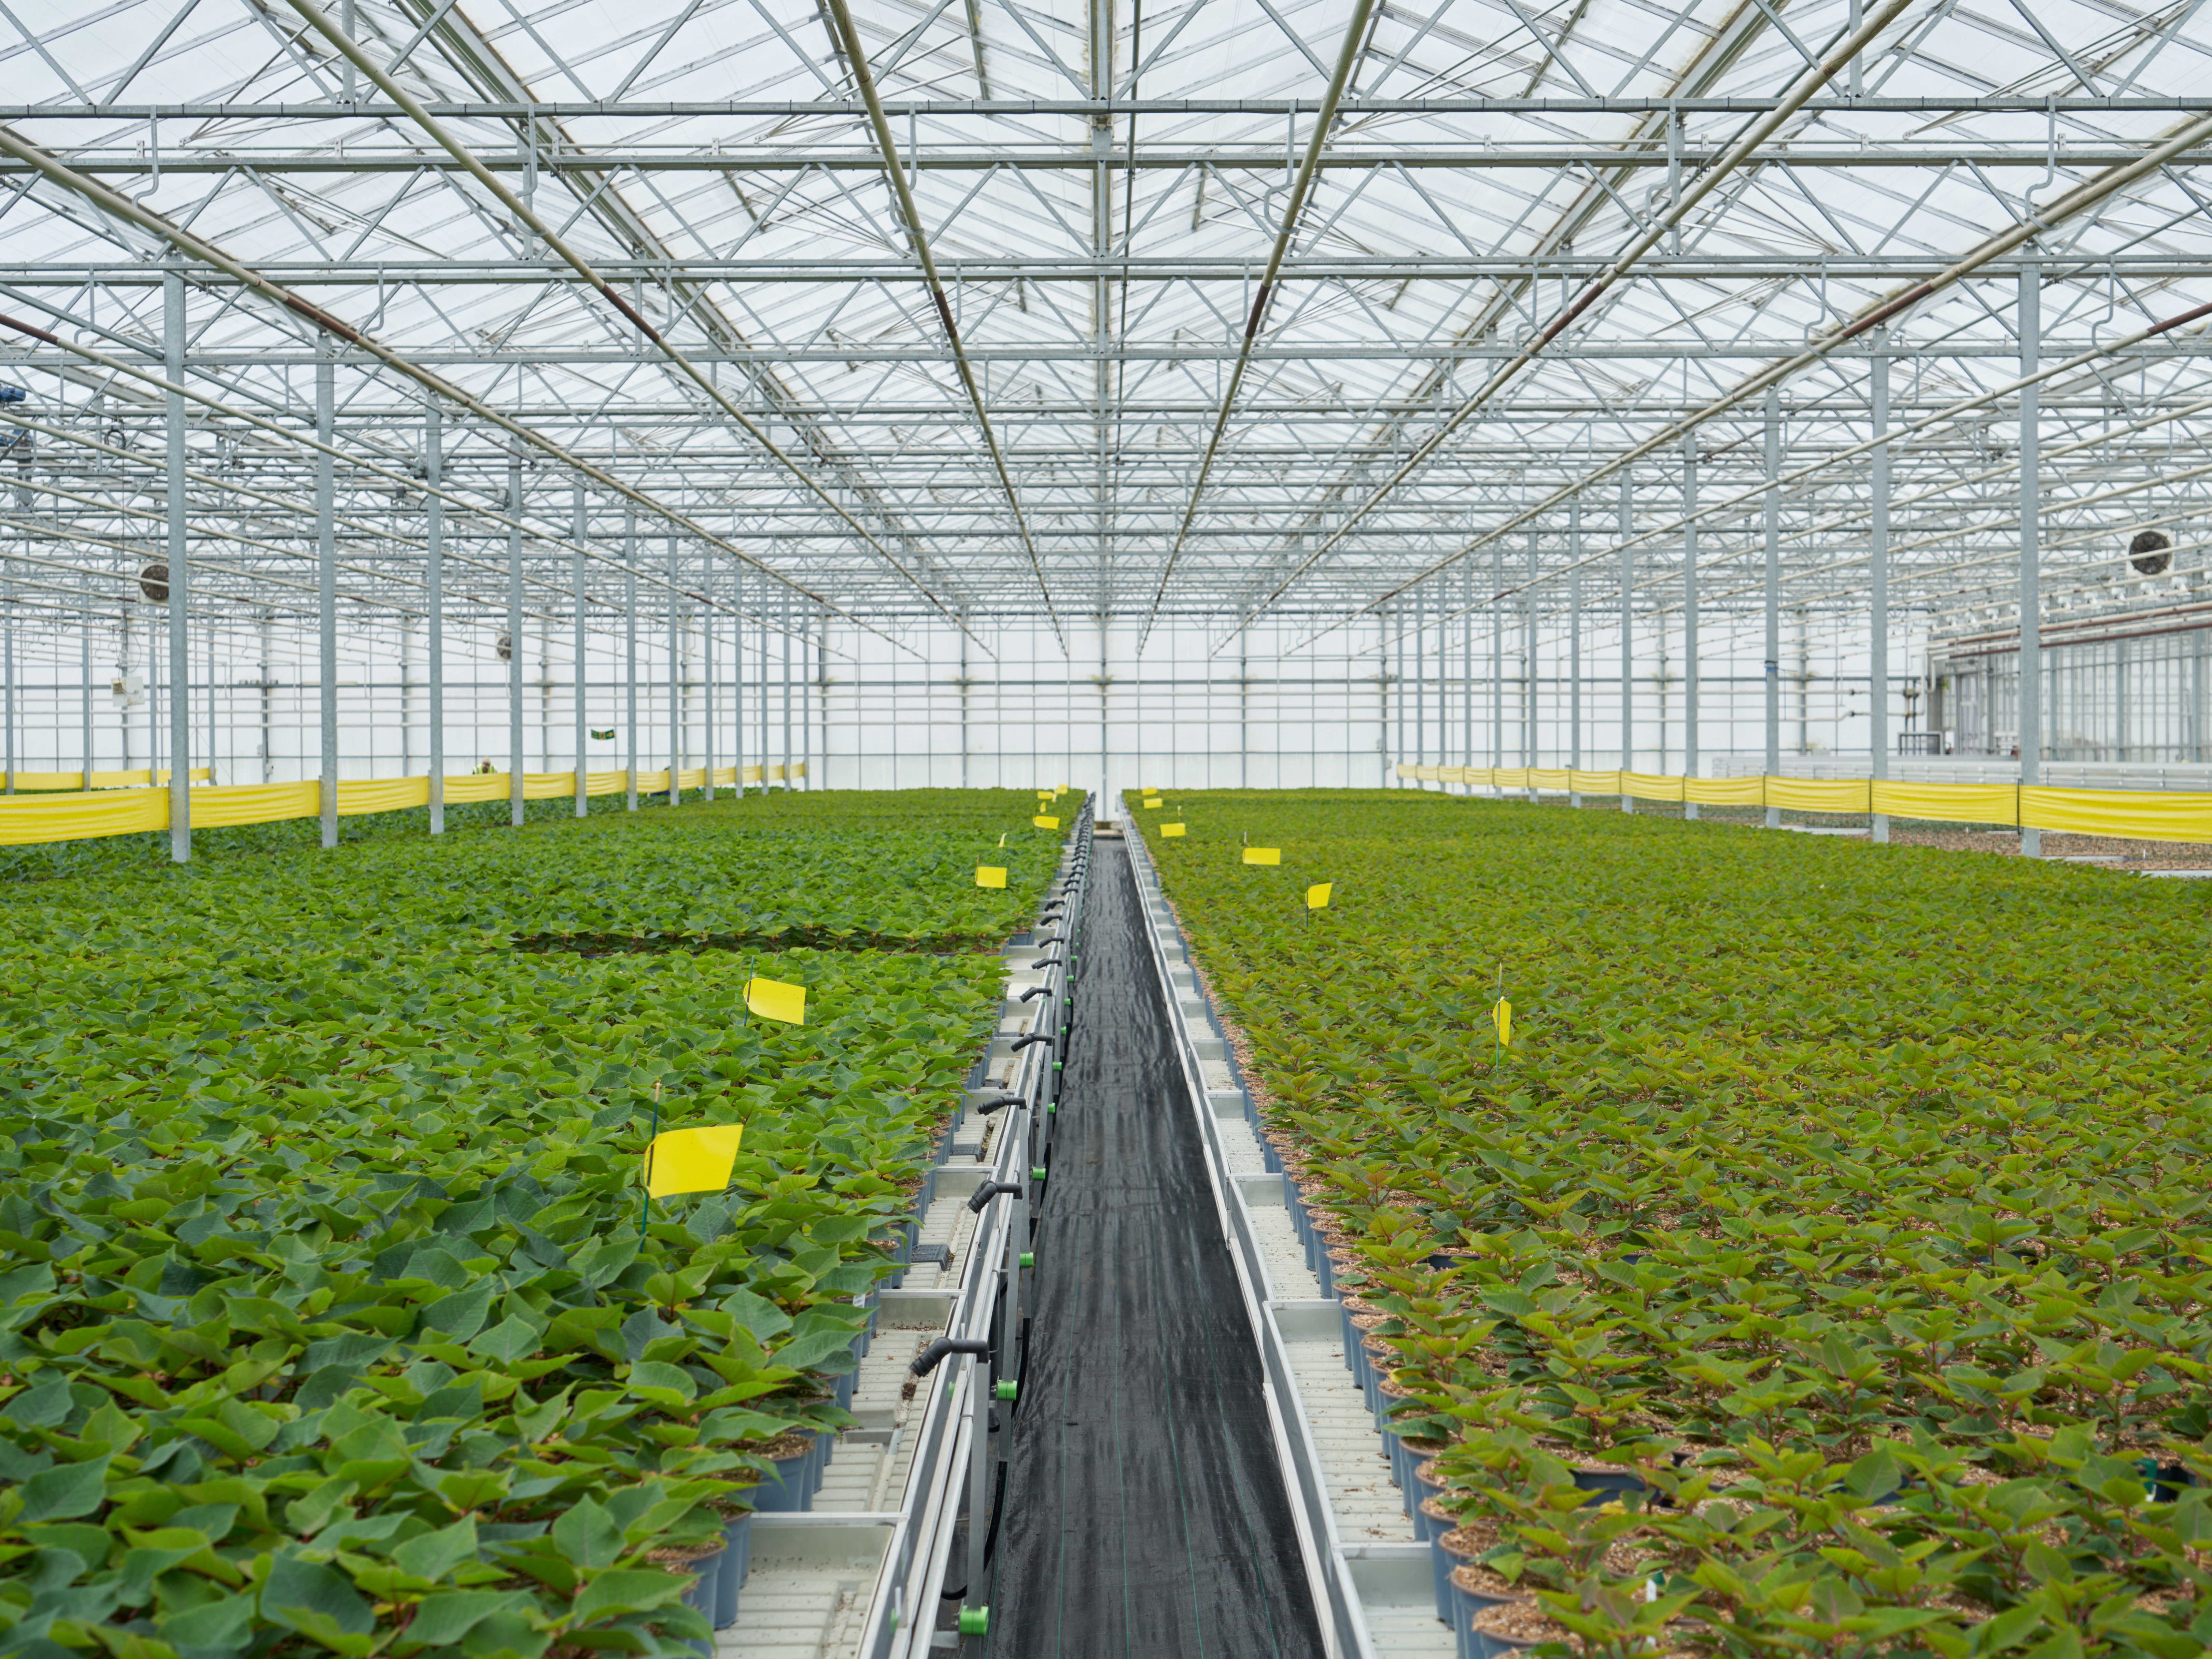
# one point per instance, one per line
(1815, 76)
(1964, 406)
(1347, 59)
(306, 441)
(2075, 201)
(1953, 412)
(856, 59)
(123, 207)
(322, 24)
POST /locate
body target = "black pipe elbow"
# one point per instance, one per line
(998, 1105)
(988, 1190)
(1022, 1042)
(1035, 991)
(1044, 961)
(927, 1361)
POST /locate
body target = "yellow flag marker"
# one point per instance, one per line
(1045, 821)
(990, 875)
(1317, 896)
(1263, 856)
(1502, 1017)
(1152, 802)
(1167, 829)
(691, 1160)
(771, 999)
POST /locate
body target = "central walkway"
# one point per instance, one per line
(1145, 1513)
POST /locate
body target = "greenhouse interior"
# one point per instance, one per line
(842, 828)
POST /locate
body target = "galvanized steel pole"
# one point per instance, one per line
(1690, 616)
(1773, 594)
(1878, 555)
(433, 457)
(181, 667)
(516, 785)
(326, 582)
(2031, 598)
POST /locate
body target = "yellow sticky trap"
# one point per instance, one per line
(1263, 856)
(1502, 1017)
(1317, 896)
(990, 875)
(1045, 821)
(1170, 829)
(1152, 803)
(771, 999)
(691, 1160)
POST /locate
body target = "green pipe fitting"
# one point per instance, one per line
(974, 1621)
(1037, 1175)
(1007, 1388)
(1028, 1258)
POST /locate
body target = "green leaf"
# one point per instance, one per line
(65, 1491)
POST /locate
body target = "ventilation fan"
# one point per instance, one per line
(504, 645)
(2151, 552)
(154, 583)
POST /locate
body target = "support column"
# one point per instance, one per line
(2031, 597)
(8, 645)
(737, 680)
(1627, 651)
(515, 759)
(706, 683)
(789, 781)
(1574, 649)
(1690, 615)
(1529, 668)
(1878, 558)
(675, 687)
(180, 666)
(326, 583)
(1773, 594)
(1394, 687)
(84, 695)
(629, 672)
(577, 528)
(1498, 663)
(1466, 667)
(434, 458)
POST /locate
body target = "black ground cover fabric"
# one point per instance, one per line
(1145, 1513)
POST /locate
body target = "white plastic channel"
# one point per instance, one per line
(1370, 1575)
(899, 1615)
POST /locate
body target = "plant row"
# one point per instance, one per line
(1838, 1212)
(329, 1316)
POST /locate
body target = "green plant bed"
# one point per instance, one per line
(1852, 1199)
(330, 1323)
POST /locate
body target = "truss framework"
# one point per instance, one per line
(920, 315)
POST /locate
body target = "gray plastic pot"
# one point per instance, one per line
(737, 1557)
(704, 1595)
(789, 1489)
(1466, 1604)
